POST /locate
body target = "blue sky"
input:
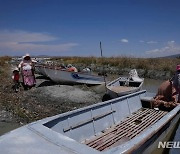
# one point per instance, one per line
(138, 28)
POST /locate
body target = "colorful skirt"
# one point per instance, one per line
(28, 78)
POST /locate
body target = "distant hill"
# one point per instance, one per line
(172, 56)
(41, 56)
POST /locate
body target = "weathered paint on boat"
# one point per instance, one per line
(40, 69)
(62, 76)
(66, 133)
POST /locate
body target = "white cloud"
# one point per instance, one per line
(23, 36)
(171, 43)
(152, 42)
(148, 42)
(170, 49)
(152, 51)
(13, 41)
(141, 41)
(124, 41)
(13, 46)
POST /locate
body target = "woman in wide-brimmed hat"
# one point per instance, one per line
(27, 70)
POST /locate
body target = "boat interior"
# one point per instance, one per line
(124, 86)
(108, 124)
(125, 130)
(130, 83)
(125, 82)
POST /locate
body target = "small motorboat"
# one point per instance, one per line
(125, 85)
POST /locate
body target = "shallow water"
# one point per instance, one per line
(151, 85)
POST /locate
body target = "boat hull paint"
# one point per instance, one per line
(62, 76)
(41, 70)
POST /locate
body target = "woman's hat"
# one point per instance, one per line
(27, 55)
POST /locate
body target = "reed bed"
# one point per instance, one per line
(158, 64)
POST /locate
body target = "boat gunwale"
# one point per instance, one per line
(101, 103)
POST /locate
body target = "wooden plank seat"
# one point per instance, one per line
(125, 130)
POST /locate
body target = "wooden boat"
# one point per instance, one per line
(62, 76)
(125, 85)
(120, 125)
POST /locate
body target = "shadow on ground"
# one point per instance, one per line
(46, 83)
(42, 77)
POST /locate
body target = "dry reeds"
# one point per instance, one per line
(161, 64)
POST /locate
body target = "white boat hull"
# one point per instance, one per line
(62, 76)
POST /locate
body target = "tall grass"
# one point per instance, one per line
(4, 60)
(3, 65)
(159, 64)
